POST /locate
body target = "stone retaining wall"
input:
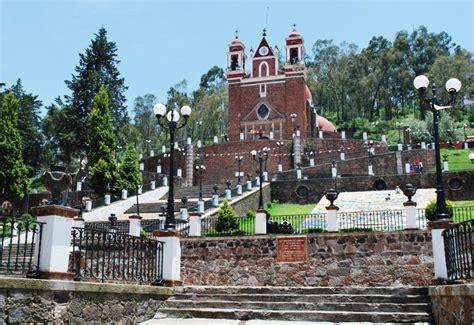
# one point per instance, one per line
(340, 259)
(64, 302)
(453, 304)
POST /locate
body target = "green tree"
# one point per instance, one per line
(145, 122)
(29, 126)
(97, 67)
(226, 218)
(101, 165)
(13, 171)
(128, 175)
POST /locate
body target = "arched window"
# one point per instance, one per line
(263, 69)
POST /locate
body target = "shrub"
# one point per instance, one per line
(250, 213)
(226, 218)
(430, 210)
(314, 231)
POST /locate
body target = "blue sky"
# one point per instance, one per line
(163, 42)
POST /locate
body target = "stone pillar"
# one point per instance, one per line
(79, 186)
(280, 168)
(228, 194)
(400, 147)
(257, 181)
(140, 156)
(135, 225)
(343, 156)
(216, 140)
(332, 218)
(299, 174)
(410, 214)
(408, 146)
(107, 199)
(188, 182)
(384, 138)
(152, 185)
(140, 189)
(423, 145)
(171, 257)
(343, 134)
(199, 144)
(179, 172)
(78, 222)
(215, 200)
(201, 206)
(364, 135)
(334, 171)
(195, 224)
(439, 256)
(261, 222)
(183, 214)
(311, 162)
(239, 189)
(296, 150)
(265, 176)
(466, 145)
(165, 181)
(163, 149)
(249, 185)
(158, 169)
(88, 206)
(176, 145)
(55, 240)
(445, 166)
(124, 194)
(370, 170)
(271, 135)
(320, 134)
(407, 168)
(241, 136)
(152, 153)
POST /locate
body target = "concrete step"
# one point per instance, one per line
(302, 306)
(398, 291)
(292, 315)
(312, 298)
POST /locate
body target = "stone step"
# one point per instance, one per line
(397, 291)
(302, 306)
(292, 315)
(312, 298)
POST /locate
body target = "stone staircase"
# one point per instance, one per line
(315, 304)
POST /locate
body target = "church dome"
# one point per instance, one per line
(236, 41)
(324, 124)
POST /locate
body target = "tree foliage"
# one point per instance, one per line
(101, 159)
(128, 175)
(13, 171)
(226, 218)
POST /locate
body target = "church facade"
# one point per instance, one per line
(264, 98)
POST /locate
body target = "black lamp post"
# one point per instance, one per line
(279, 145)
(293, 120)
(239, 162)
(453, 85)
(147, 146)
(172, 117)
(399, 127)
(200, 169)
(261, 156)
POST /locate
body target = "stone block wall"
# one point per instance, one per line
(63, 302)
(339, 259)
(453, 304)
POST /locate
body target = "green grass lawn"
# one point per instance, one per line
(462, 204)
(290, 209)
(458, 160)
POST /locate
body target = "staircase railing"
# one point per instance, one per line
(458, 247)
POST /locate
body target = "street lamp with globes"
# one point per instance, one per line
(261, 156)
(171, 124)
(453, 86)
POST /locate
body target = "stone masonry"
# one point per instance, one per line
(340, 259)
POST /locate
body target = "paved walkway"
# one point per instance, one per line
(375, 200)
(203, 321)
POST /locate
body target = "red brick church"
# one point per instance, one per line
(264, 97)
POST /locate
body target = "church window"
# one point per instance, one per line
(263, 69)
(234, 64)
(263, 112)
(294, 56)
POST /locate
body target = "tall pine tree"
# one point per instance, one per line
(13, 172)
(101, 165)
(97, 68)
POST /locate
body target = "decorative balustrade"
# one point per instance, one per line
(458, 247)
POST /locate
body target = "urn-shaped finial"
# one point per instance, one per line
(332, 195)
(57, 181)
(409, 191)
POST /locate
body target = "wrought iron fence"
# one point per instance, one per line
(381, 220)
(296, 224)
(120, 226)
(20, 248)
(458, 248)
(461, 214)
(151, 225)
(240, 226)
(110, 257)
(421, 221)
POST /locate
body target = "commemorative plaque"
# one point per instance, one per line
(292, 249)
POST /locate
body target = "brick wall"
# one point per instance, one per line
(369, 259)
